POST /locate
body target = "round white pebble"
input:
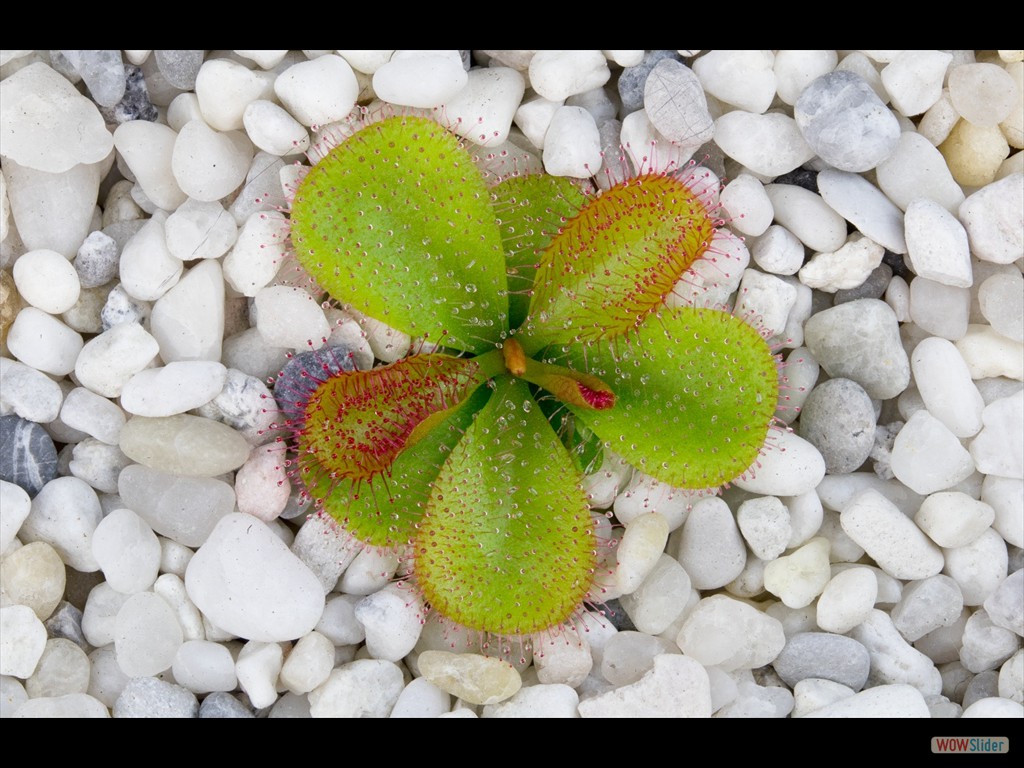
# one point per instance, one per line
(46, 280)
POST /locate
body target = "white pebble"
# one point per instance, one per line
(338, 622)
(48, 124)
(207, 164)
(730, 634)
(994, 219)
(891, 539)
(937, 244)
(788, 466)
(202, 666)
(893, 659)
(572, 146)
(320, 91)
(1001, 299)
(750, 210)
(147, 635)
(660, 599)
(1006, 497)
(777, 250)
(845, 268)
(65, 514)
(563, 660)
(246, 581)
(941, 310)
(979, 567)
(273, 130)
(743, 79)
(393, 620)
(174, 388)
(994, 707)
(946, 387)
(764, 523)
(556, 75)
(261, 484)
(916, 169)
(914, 80)
(99, 616)
(794, 71)
(847, 600)
(482, 111)
(288, 317)
(710, 547)
(257, 669)
(883, 701)
(555, 700)
(422, 79)
(865, 206)
(677, 686)
(421, 698)
(108, 361)
(800, 576)
(95, 415)
(982, 93)
(642, 494)
(199, 230)
(188, 320)
(362, 688)
(46, 280)
(44, 342)
(807, 216)
(127, 550)
(770, 144)
(308, 664)
(29, 393)
(927, 457)
(147, 148)
(997, 450)
(225, 88)
(22, 641)
(953, 519)
(989, 354)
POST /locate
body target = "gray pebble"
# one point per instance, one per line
(97, 260)
(28, 457)
(66, 622)
(984, 685)
(845, 123)
(150, 697)
(821, 654)
(303, 373)
(633, 79)
(838, 419)
(872, 288)
(926, 605)
(223, 704)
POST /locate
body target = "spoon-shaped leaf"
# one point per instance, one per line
(616, 261)
(397, 221)
(696, 391)
(371, 442)
(506, 544)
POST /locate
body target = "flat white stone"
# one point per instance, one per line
(226, 88)
(730, 634)
(44, 342)
(199, 230)
(994, 219)
(556, 75)
(362, 688)
(862, 204)
(884, 701)
(800, 576)
(748, 206)
(423, 79)
(188, 320)
(572, 146)
(788, 466)
(916, 169)
(927, 457)
(744, 79)
(677, 686)
(710, 547)
(891, 539)
(847, 600)
(319, 91)
(807, 216)
(273, 130)
(913, 80)
(945, 385)
(248, 583)
(937, 244)
(482, 111)
(147, 149)
(47, 124)
(207, 164)
(46, 280)
(768, 144)
(175, 388)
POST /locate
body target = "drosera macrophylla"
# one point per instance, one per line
(550, 312)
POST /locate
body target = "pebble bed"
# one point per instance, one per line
(157, 561)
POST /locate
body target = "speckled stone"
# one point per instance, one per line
(823, 655)
(97, 260)
(150, 697)
(135, 104)
(223, 704)
(28, 457)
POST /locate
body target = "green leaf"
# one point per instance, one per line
(397, 222)
(696, 390)
(506, 545)
(614, 263)
(373, 441)
(531, 209)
